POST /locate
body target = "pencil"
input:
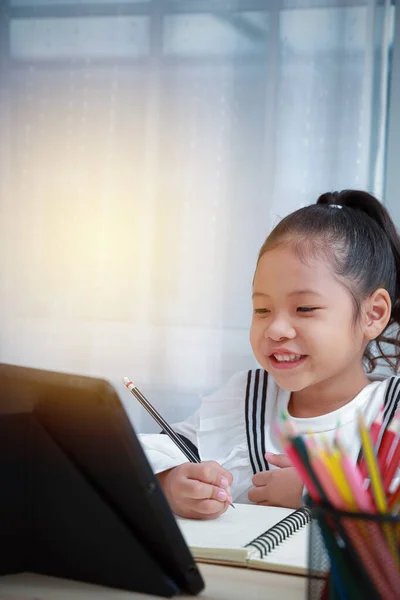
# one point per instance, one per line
(393, 455)
(355, 481)
(328, 484)
(394, 501)
(376, 483)
(372, 467)
(162, 423)
(388, 439)
(374, 433)
(392, 466)
(332, 460)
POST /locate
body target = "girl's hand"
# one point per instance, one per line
(197, 490)
(279, 487)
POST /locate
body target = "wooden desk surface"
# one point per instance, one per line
(222, 583)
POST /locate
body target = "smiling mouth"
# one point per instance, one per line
(287, 361)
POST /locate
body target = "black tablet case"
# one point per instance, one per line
(78, 498)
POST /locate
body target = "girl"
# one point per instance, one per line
(326, 293)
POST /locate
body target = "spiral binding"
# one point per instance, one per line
(269, 540)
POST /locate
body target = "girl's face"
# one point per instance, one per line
(303, 330)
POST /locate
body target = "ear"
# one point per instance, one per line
(377, 311)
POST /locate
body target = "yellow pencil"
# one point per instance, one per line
(372, 466)
(376, 484)
(333, 463)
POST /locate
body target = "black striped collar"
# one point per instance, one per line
(256, 395)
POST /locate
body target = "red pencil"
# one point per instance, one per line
(392, 468)
(394, 500)
(388, 439)
(393, 459)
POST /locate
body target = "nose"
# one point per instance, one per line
(279, 329)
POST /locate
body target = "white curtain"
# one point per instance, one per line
(146, 150)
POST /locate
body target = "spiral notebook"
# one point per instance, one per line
(259, 537)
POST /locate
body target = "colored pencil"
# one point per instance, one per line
(334, 479)
(393, 465)
(355, 481)
(388, 439)
(372, 467)
(375, 428)
(394, 501)
(334, 466)
(376, 484)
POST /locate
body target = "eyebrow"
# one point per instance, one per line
(294, 293)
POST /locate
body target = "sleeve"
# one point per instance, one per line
(217, 430)
(160, 450)
(222, 432)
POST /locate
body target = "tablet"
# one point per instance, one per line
(78, 497)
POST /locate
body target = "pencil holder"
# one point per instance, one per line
(353, 555)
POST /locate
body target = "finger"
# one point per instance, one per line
(209, 507)
(278, 460)
(198, 490)
(258, 494)
(226, 476)
(262, 478)
(210, 472)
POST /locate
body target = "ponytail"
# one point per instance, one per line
(369, 205)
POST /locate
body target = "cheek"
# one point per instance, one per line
(308, 330)
(256, 332)
(253, 334)
(331, 339)
(258, 342)
(318, 337)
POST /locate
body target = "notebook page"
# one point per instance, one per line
(224, 538)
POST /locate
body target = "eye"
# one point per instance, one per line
(261, 311)
(306, 309)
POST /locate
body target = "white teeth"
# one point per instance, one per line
(287, 357)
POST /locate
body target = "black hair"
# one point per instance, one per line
(355, 232)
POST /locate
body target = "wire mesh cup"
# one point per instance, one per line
(353, 555)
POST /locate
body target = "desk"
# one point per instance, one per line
(222, 583)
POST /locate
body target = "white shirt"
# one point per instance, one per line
(233, 426)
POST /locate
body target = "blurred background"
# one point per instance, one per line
(147, 148)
